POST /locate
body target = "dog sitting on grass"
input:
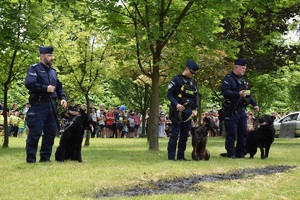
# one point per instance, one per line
(262, 137)
(70, 141)
(200, 137)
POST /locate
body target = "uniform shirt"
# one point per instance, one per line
(131, 121)
(21, 123)
(230, 88)
(94, 116)
(101, 117)
(174, 88)
(109, 118)
(120, 119)
(1, 120)
(137, 119)
(39, 77)
(14, 120)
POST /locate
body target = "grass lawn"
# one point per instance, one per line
(112, 165)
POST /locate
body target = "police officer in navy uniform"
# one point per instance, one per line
(44, 88)
(183, 95)
(235, 90)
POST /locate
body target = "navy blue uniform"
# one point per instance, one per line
(40, 117)
(236, 123)
(179, 128)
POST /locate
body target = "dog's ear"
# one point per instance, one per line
(193, 130)
(81, 111)
(273, 118)
(206, 120)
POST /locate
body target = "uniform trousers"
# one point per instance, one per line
(236, 130)
(41, 122)
(179, 130)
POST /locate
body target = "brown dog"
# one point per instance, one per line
(200, 137)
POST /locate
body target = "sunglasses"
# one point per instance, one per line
(191, 71)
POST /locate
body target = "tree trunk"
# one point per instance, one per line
(153, 125)
(144, 109)
(199, 108)
(88, 133)
(5, 125)
(5, 85)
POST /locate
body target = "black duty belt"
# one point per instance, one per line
(45, 99)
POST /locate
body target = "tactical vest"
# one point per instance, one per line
(242, 85)
(187, 92)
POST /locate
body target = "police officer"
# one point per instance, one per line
(44, 88)
(235, 90)
(183, 95)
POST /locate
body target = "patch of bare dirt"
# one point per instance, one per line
(182, 185)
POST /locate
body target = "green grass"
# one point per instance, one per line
(110, 165)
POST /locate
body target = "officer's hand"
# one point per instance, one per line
(63, 103)
(243, 93)
(256, 108)
(50, 88)
(180, 107)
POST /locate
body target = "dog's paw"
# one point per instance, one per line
(206, 154)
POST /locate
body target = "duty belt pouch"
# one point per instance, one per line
(33, 99)
(173, 114)
(227, 108)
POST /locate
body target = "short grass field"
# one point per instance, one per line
(112, 166)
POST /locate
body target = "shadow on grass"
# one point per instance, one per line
(183, 185)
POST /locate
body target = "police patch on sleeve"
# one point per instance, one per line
(170, 86)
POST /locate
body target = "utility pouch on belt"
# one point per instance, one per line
(173, 113)
(226, 108)
(33, 99)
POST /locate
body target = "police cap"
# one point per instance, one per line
(241, 62)
(46, 49)
(192, 65)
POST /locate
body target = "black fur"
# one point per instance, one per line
(70, 142)
(200, 137)
(261, 137)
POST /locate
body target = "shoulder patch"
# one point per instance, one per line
(170, 85)
(226, 82)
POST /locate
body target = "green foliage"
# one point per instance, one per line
(103, 46)
(294, 97)
(18, 39)
(80, 55)
(265, 90)
(276, 91)
(260, 26)
(133, 95)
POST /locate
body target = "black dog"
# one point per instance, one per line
(200, 137)
(261, 137)
(70, 141)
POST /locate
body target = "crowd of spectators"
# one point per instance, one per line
(15, 119)
(164, 128)
(114, 122)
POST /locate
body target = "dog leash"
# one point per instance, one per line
(188, 119)
(54, 113)
(180, 118)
